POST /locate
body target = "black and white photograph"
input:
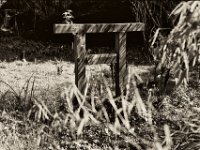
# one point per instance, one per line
(99, 75)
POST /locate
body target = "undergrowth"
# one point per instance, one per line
(99, 120)
(143, 117)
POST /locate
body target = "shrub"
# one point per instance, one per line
(180, 51)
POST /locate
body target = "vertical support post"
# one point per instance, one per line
(121, 66)
(80, 67)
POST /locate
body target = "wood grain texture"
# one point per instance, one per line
(121, 66)
(80, 68)
(98, 28)
(118, 58)
(101, 58)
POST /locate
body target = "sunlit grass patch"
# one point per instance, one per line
(139, 119)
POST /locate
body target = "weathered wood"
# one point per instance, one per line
(80, 68)
(117, 59)
(98, 28)
(121, 66)
(101, 58)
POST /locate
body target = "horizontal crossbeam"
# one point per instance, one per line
(98, 28)
(93, 59)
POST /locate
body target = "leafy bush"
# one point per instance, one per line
(180, 52)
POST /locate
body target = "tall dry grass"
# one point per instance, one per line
(97, 107)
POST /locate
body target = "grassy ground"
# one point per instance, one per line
(18, 72)
(174, 122)
(17, 131)
(46, 76)
(35, 110)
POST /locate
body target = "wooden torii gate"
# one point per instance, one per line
(81, 57)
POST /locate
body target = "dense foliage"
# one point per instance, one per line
(179, 53)
(38, 16)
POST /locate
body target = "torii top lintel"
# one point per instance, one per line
(98, 28)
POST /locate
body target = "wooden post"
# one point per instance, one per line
(80, 55)
(120, 30)
(121, 66)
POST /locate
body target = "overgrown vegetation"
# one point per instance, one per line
(138, 120)
(147, 116)
(17, 48)
(37, 17)
(179, 53)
